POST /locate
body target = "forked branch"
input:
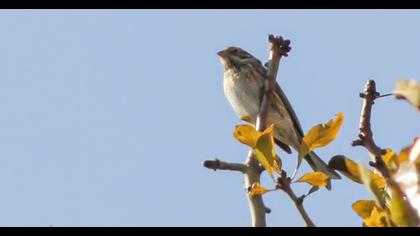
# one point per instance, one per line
(366, 136)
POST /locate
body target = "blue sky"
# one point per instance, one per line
(108, 114)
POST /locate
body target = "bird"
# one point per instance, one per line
(243, 85)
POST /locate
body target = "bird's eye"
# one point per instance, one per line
(235, 50)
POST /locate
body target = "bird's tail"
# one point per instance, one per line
(318, 164)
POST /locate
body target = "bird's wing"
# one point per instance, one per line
(283, 146)
(282, 96)
(289, 108)
(295, 121)
(261, 69)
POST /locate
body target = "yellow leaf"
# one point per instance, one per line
(374, 183)
(389, 159)
(317, 179)
(347, 167)
(414, 155)
(402, 214)
(266, 153)
(363, 208)
(377, 218)
(377, 180)
(321, 135)
(403, 156)
(247, 119)
(246, 134)
(257, 189)
(408, 90)
(351, 170)
(262, 143)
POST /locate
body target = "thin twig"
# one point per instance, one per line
(385, 95)
(221, 165)
(283, 183)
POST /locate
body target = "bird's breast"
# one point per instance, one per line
(243, 93)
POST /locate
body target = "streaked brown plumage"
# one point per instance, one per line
(243, 84)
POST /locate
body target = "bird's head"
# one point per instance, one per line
(234, 57)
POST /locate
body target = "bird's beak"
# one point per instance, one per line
(222, 53)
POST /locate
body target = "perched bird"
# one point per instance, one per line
(243, 85)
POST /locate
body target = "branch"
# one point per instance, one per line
(256, 203)
(221, 165)
(252, 172)
(278, 48)
(365, 130)
(251, 168)
(366, 136)
(283, 183)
